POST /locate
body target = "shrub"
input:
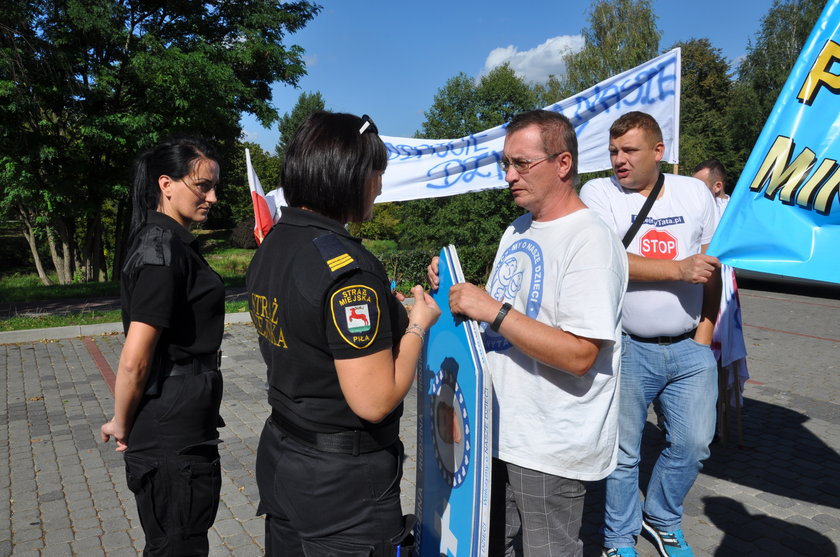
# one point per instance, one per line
(408, 267)
(242, 235)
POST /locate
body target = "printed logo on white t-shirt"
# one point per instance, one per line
(658, 244)
(521, 260)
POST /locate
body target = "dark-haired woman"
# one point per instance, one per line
(169, 388)
(340, 350)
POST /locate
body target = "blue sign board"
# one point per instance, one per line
(453, 431)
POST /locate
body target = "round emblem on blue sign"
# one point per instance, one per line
(450, 421)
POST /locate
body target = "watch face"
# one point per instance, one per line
(450, 424)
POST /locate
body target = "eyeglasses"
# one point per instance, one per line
(367, 125)
(523, 166)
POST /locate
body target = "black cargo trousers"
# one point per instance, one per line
(330, 504)
(172, 463)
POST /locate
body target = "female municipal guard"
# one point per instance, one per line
(340, 351)
(169, 388)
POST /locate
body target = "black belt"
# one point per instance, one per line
(663, 340)
(196, 365)
(353, 442)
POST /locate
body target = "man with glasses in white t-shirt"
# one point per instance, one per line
(551, 309)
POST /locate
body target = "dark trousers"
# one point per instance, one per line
(172, 464)
(318, 503)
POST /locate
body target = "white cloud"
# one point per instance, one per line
(252, 136)
(539, 62)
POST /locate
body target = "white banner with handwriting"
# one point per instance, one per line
(422, 168)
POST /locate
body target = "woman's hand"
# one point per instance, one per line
(432, 273)
(111, 429)
(425, 311)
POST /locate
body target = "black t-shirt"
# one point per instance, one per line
(317, 295)
(166, 283)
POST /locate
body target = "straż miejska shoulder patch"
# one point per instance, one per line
(355, 314)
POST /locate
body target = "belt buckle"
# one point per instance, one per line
(664, 341)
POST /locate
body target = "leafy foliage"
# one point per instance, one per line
(461, 107)
(763, 72)
(242, 235)
(384, 224)
(408, 267)
(706, 92)
(307, 104)
(621, 35)
(86, 84)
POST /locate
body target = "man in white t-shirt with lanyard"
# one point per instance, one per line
(552, 303)
(667, 318)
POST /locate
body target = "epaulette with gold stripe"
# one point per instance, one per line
(335, 255)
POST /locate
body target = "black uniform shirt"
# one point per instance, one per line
(317, 295)
(166, 283)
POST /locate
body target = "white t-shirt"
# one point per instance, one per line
(570, 273)
(720, 206)
(679, 223)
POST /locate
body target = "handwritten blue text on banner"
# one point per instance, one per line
(422, 168)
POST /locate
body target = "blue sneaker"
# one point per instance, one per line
(619, 552)
(669, 544)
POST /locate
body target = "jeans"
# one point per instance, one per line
(684, 377)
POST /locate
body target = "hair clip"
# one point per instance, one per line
(368, 123)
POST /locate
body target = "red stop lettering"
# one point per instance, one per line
(658, 244)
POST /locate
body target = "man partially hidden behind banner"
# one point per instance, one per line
(668, 318)
(554, 342)
(712, 173)
(728, 343)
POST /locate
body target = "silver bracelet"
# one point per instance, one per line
(416, 329)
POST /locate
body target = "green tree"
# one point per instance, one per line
(307, 103)
(474, 220)
(706, 89)
(621, 35)
(86, 84)
(552, 91)
(454, 111)
(763, 72)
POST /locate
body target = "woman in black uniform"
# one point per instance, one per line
(340, 350)
(169, 388)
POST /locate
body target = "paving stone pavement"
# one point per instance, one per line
(64, 492)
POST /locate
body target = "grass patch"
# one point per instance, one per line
(29, 288)
(50, 320)
(84, 318)
(230, 263)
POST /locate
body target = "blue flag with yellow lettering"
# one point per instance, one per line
(784, 215)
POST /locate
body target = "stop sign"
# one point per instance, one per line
(658, 244)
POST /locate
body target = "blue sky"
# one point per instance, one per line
(388, 59)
